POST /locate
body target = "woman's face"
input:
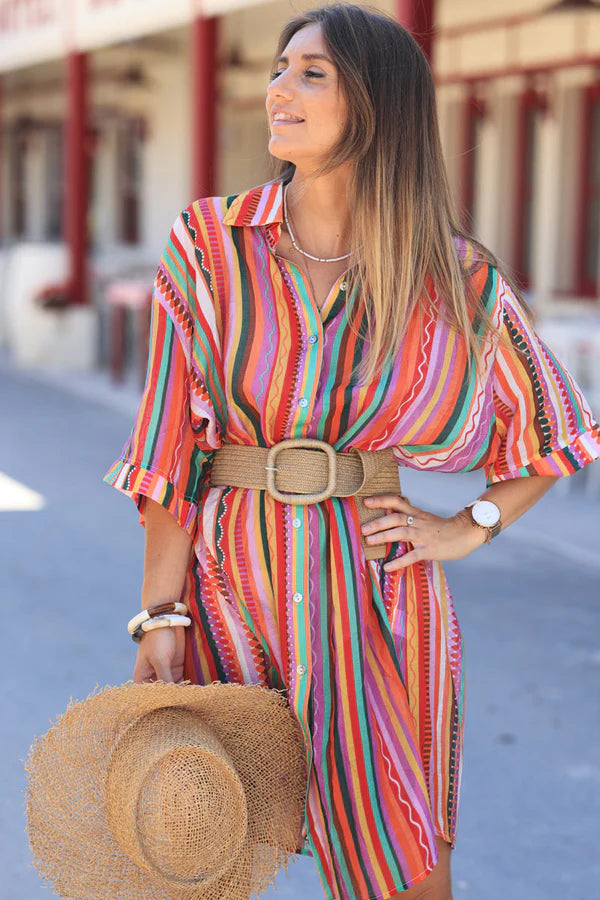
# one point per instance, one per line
(305, 87)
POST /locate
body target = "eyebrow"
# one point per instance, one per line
(284, 59)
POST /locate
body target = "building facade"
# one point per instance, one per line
(115, 114)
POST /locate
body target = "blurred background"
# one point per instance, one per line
(114, 116)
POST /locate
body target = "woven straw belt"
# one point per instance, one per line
(307, 470)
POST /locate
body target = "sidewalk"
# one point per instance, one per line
(565, 522)
(529, 617)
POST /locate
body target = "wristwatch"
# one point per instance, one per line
(486, 515)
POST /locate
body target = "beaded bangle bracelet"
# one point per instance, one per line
(166, 621)
(151, 612)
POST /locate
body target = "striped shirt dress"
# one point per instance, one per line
(282, 595)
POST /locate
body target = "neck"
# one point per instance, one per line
(319, 212)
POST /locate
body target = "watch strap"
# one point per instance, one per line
(495, 530)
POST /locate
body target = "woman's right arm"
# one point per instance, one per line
(167, 556)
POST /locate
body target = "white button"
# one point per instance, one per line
(296, 523)
(300, 669)
(297, 597)
(312, 339)
(343, 286)
(302, 402)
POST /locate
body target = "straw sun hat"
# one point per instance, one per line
(167, 792)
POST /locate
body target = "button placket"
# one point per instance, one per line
(299, 610)
(309, 323)
(308, 377)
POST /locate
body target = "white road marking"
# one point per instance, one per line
(15, 496)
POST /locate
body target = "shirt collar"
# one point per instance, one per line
(262, 205)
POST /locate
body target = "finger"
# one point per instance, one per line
(389, 501)
(403, 562)
(143, 671)
(399, 533)
(392, 520)
(163, 671)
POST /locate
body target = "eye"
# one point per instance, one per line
(308, 72)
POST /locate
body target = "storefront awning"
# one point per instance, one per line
(36, 32)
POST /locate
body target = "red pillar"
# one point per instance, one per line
(204, 103)
(76, 172)
(418, 17)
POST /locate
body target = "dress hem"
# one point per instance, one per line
(138, 482)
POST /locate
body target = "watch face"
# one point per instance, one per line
(486, 513)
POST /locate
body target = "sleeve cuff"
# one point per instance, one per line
(581, 451)
(137, 482)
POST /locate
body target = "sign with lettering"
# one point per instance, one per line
(31, 31)
(221, 7)
(102, 22)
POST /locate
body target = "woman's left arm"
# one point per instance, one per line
(440, 538)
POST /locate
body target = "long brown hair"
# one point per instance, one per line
(403, 216)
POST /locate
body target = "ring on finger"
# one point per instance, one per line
(410, 520)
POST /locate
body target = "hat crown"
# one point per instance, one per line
(76, 783)
(174, 801)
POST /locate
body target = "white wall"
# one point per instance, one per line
(164, 101)
(167, 183)
(536, 39)
(250, 34)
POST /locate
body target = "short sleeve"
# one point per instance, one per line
(168, 453)
(543, 424)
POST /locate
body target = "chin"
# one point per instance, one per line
(280, 150)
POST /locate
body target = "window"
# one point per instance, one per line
(530, 116)
(129, 167)
(53, 180)
(588, 230)
(474, 117)
(17, 147)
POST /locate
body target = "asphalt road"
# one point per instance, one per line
(529, 611)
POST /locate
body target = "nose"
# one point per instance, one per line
(280, 87)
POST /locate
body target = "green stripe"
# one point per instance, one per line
(244, 315)
(328, 680)
(356, 643)
(207, 630)
(164, 354)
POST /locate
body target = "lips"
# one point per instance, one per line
(295, 120)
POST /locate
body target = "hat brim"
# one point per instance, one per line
(70, 838)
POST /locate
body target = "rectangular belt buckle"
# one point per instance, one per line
(308, 444)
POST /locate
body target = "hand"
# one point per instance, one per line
(160, 655)
(431, 536)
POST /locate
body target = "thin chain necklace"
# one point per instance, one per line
(293, 240)
(307, 270)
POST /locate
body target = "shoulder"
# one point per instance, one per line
(480, 274)
(258, 205)
(471, 255)
(205, 228)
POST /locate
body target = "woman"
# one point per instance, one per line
(341, 302)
